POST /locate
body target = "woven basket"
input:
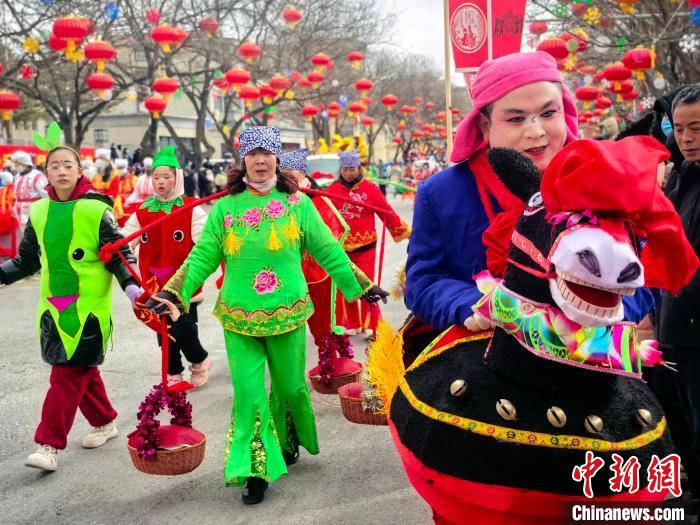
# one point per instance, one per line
(170, 462)
(353, 411)
(335, 384)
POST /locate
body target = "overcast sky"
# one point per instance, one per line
(419, 27)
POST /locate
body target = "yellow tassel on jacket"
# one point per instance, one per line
(385, 365)
(232, 243)
(291, 232)
(273, 243)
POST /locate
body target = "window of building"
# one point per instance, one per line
(101, 137)
(139, 56)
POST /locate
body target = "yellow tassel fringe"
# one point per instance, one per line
(291, 232)
(385, 364)
(233, 242)
(273, 243)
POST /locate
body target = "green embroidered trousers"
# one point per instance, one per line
(259, 430)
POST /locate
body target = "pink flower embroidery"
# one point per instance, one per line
(265, 282)
(293, 199)
(228, 221)
(274, 209)
(252, 216)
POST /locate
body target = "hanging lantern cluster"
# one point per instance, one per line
(292, 17)
(555, 46)
(99, 52)
(237, 77)
(321, 62)
(249, 94)
(100, 83)
(334, 110)
(248, 51)
(208, 26)
(355, 58)
(309, 112)
(638, 60)
(587, 94)
(155, 106)
(72, 31)
(165, 87)
(616, 73)
(390, 101)
(316, 78)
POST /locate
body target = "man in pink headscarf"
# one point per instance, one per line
(463, 213)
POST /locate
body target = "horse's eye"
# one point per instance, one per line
(589, 261)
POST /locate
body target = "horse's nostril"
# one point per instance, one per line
(589, 261)
(630, 273)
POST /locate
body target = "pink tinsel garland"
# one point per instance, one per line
(332, 345)
(155, 401)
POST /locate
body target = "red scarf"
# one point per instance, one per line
(496, 238)
(81, 188)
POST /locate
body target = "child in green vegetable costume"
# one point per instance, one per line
(62, 239)
(260, 230)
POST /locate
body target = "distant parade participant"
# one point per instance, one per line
(62, 238)
(260, 230)
(142, 187)
(361, 243)
(162, 250)
(106, 179)
(29, 185)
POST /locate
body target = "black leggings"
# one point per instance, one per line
(186, 340)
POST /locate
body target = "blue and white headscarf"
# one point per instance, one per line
(266, 137)
(349, 159)
(294, 160)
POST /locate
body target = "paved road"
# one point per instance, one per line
(357, 478)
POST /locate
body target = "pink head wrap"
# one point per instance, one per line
(498, 77)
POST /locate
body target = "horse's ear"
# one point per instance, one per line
(516, 171)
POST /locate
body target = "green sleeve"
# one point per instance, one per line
(202, 261)
(328, 252)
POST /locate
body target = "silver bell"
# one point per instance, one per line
(506, 410)
(458, 387)
(643, 417)
(593, 424)
(556, 417)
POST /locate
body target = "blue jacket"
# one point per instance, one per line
(446, 251)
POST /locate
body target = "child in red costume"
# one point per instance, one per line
(361, 243)
(162, 250)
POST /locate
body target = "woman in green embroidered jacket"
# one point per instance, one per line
(261, 230)
(62, 239)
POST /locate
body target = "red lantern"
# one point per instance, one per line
(221, 84)
(576, 40)
(333, 113)
(99, 83)
(538, 28)
(268, 93)
(237, 77)
(397, 140)
(292, 17)
(630, 96)
(294, 76)
(586, 70)
(401, 126)
(156, 106)
(167, 36)
(555, 46)
(405, 109)
(309, 112)
(165, 87)
(588, 115)
(356, 58)
(364, 85)
(209, 26)
(72, 30)
(99, 52)
(280, 83)
(316, 77)
(417, 134)
(579, 9)
(56, 43)
(587, 94)
(456, 111)
(603, 102)
(304, 83)
(441, 116)
(366, 101)
(367, 121)
(639, 60)
(249, 51)
(334, 106)
(27, 72)
(249, 94)
(390, 101)
(153, 16)
(357, 108)
(320, 61)
(427, 128)
(429, 105)
(9, 102)
(616, 73)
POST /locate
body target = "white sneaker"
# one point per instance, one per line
(369, 334)
(351, 331)
(98, 436)
(45, 458)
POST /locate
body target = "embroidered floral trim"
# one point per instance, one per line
(292, 440)
(174, 286)
(294, 200)
(275, 209)
(362, 279)
(430, 352)
(252, 217)
(358, 240)
(258, 455)
(228, 220)
(262, 322)
(525, 437)
(401, 233)
(266, 282)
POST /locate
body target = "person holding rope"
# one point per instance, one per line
(63, 236)
(361, 243)
(260, 230)
(162, 250)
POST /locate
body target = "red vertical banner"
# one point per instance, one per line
(484, 29)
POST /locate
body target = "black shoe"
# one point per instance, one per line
(254, 490)
(291, 457)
